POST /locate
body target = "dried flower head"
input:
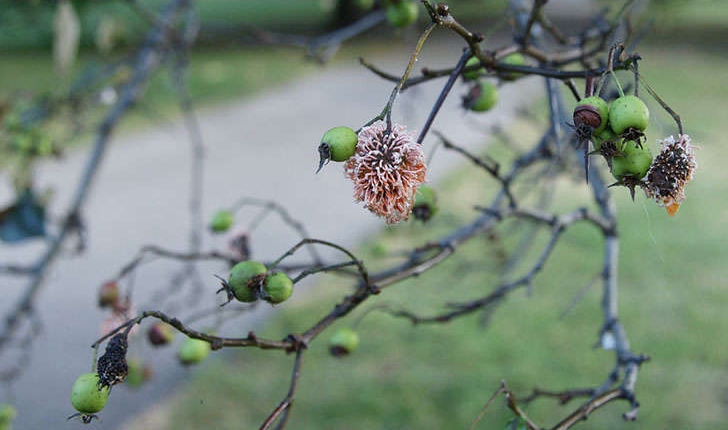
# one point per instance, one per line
(671, 170)
(387, 168)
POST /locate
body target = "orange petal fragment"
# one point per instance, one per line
(672, 208)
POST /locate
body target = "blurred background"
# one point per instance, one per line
(261, 110)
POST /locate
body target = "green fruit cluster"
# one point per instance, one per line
(250, 281)
(616, 131)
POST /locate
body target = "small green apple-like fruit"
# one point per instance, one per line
(514, 59)
(341, 142)
(160, 333)
(481, 97)
(472, 74)
(634, 162)
(425, 206)
(222, 221)
(277, 288)
(337, 144)
(193, 351)
(108, 294)
(7, 414)
(245, 280)
(138, 373)
(628, 112)
(400, 13)
(606, 135)
(86, 397)
(591, 114)
(343, 342)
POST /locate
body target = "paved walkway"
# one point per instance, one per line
(263, 147)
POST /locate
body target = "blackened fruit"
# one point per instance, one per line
(86, 396)
(343, 342)
(245, 280)
(277, 288)
(112, 367)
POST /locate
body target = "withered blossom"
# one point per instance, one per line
(671, 170)
(386, 169)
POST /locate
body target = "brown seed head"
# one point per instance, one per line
(386, 169)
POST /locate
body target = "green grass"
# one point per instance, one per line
(672, 303)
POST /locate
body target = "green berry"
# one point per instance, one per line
(606, 134)
(245, 279)
(481, 97)
(193, 351)
(401, 13)
(337, 144)
(425, 206)
(341, 142)
(628, 112)
(277, 288)
(592, 112)
(137, 375)
(514, 59)
(634, 162)
(7, 414)
(343, 342)
(160, 333)
(86, 397)
(472, 74)
(221, 221)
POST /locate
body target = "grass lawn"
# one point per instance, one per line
(673, 298)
